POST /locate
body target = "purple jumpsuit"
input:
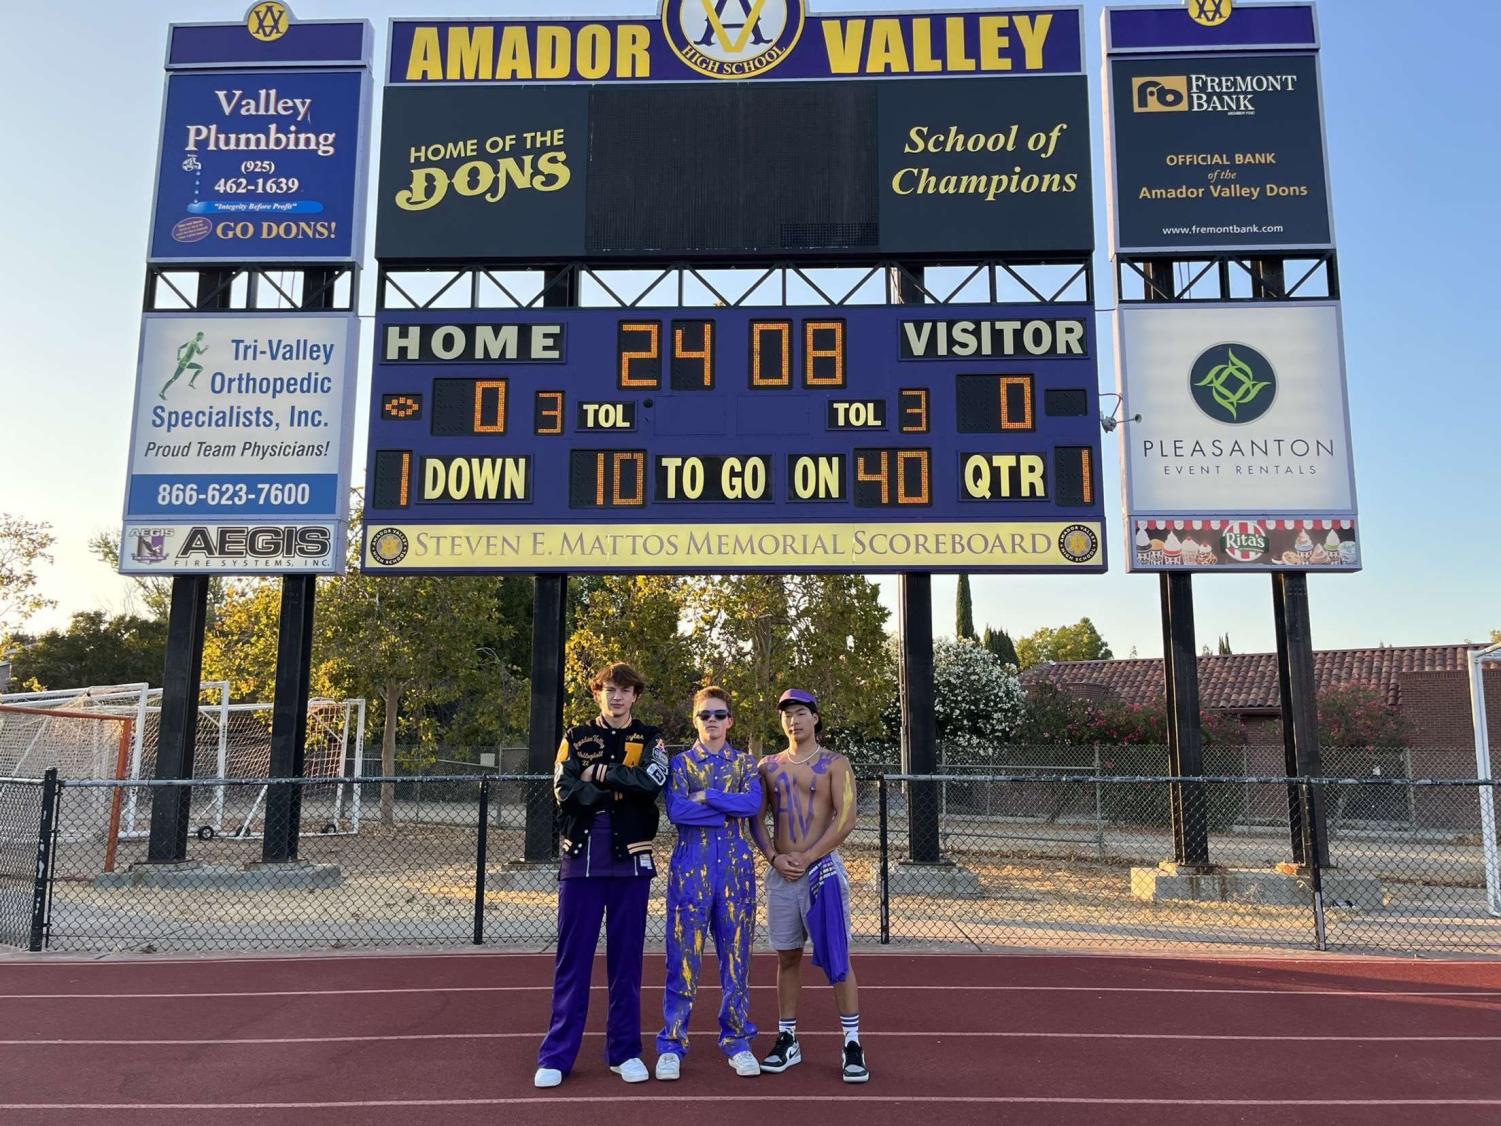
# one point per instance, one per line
(711, 890)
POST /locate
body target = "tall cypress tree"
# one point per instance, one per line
(999, 642)
(964, 611)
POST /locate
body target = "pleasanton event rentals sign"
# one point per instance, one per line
(1243, 440)
(869, 438)
(240, 448)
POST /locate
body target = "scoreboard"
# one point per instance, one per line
(852, 438)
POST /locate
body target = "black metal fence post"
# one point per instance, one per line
(41, 888)
(481, 852)
(1316, 858)
(881, 793)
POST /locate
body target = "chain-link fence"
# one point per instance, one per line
(21, 803)
(1027, 859)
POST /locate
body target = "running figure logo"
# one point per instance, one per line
(185, 355)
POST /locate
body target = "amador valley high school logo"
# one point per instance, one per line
(732, 38)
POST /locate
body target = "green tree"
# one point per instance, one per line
(1225, 649)
(637, 619)
(759, 634)
(409, 641)
(1078, 642)
(23, 545)
(153, 593)
(96, 649)
(239, 644)
(964, 612)
(1000, 643)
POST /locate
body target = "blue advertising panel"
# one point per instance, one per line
(691, 40)
(263, 165)
(853, 438)
(269, 38)
(1231, 26)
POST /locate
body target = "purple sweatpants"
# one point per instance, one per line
(620, 901)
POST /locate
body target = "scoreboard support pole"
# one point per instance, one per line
(1295, 672)
(294, 663)
(1180, 666)
(549, 621)
(171, 806)
(919, 726)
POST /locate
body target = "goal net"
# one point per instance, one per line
(233, 742)
(77, 744)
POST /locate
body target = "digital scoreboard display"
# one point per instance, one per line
(853, 438)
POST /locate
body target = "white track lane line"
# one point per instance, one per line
(1029, 1035)
(401, 990)
(616, 1101)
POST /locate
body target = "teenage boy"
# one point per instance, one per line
(713, 792)
(810, 792)
(608, 774)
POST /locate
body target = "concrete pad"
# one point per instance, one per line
(1169, 883)
(190, 875)
(942, 880)
(523, 875)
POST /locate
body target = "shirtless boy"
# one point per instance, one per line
(810, 793)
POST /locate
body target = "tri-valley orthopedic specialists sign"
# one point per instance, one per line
(1243, 440)
(240, 448)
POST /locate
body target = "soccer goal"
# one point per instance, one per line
(1479, 659)
(233, 742)
(77, 744)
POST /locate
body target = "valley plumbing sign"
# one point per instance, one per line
(264, 129)
(241, 421)
(1217, 151)
(1243, 420)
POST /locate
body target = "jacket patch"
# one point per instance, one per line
(634, 748)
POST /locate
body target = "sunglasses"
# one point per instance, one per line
(720, 714)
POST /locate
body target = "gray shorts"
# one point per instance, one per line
(787, 906)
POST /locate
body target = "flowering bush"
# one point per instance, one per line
(978, 701)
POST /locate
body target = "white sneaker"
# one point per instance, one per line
(547, 1077)
(745, 1064)
(669, 1066)
(632, 1071)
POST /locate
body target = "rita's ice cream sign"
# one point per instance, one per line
(1245, 544)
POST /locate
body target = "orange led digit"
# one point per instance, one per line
(549, 418)
(1008, 422)
(497, 421)
(903, 458)
(651, 356)
(780, 349)
(812, 353)
(914, 410)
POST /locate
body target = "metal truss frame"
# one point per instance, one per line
(173, 288)
(1267, 275)
(463, 285)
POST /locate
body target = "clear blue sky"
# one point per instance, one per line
(1415, 168)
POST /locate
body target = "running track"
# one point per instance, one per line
(451, 1039)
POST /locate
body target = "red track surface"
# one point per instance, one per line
(412, 1040)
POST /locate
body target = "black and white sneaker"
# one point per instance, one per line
(784, 1054)
(854, 1063)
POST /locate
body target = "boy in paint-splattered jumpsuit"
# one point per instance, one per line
(712, 792)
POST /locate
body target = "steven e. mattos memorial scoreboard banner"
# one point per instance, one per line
(872, 438)
(1236, 449)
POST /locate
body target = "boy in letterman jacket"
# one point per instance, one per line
(606, 781)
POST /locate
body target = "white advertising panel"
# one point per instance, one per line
(1237, 425)
(241, 421)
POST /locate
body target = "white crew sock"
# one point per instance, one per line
(851, 1025)
(788, 1026)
